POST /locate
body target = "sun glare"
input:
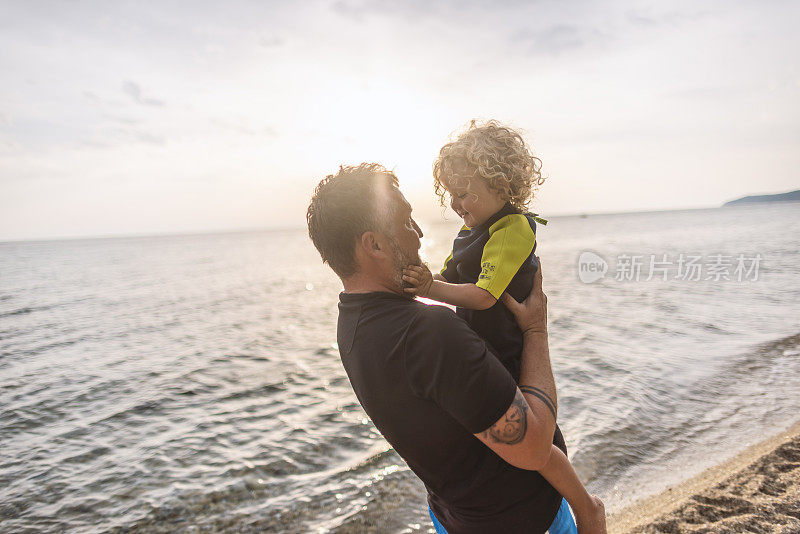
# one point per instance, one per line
(386, 123)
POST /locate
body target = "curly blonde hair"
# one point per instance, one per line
(494, 153)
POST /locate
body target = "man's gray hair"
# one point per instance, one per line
(355, 200)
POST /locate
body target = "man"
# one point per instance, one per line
(429, 383)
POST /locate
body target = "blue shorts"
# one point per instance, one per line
(564, 523)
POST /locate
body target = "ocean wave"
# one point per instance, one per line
(261, 391)
(665, 420)
(24, 311)
(171, 389)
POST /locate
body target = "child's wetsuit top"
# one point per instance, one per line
(496, 256)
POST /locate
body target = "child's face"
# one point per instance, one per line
(477, 204)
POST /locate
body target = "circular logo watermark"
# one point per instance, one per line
(591, 267)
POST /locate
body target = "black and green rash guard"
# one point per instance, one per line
(496, 256)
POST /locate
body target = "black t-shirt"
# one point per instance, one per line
(428, 383)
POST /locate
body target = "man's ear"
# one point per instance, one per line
(370, 243)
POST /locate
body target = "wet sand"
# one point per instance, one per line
(756, 491)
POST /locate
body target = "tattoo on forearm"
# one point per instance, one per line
(511, 428)
(544, 397)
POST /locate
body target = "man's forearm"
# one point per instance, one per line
(536, 380)
(524, 435)
(535, 369)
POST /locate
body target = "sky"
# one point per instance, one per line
(125, 118)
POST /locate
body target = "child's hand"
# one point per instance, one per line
(420, 279)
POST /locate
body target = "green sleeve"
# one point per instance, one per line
(511, 241)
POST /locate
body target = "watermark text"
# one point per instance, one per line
(685, 267)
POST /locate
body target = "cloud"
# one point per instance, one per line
(151, 139)
(94, 144)
(134, 90)
(127, 121)
(243, 127)
(271, 42)
(559, 39)
(648, 19)
(358, 9)
(7, 144)
(124, 136)
(415, 9)
(638, 18)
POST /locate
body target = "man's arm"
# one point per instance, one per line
(523, 436)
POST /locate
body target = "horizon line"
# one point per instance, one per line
(254, 229)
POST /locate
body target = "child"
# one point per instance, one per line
(490, 174)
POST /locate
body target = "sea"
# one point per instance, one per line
(192, 383)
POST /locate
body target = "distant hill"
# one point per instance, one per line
(791, 196)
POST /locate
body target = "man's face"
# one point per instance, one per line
(405, 234)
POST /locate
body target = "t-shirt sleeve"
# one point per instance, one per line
(511, 241)
(449, 364)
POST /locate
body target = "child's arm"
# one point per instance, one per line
(424, 284)
(589, 509)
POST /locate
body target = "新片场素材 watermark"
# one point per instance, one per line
(685, 267)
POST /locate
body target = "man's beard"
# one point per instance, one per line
(402, 260)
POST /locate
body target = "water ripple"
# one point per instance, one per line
(158, 384)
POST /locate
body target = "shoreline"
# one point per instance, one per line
(758, 487)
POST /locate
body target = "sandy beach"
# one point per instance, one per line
(756, 491)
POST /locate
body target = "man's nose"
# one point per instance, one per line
(416, 227)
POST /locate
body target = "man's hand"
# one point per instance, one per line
(531, 314)
(420, 278)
